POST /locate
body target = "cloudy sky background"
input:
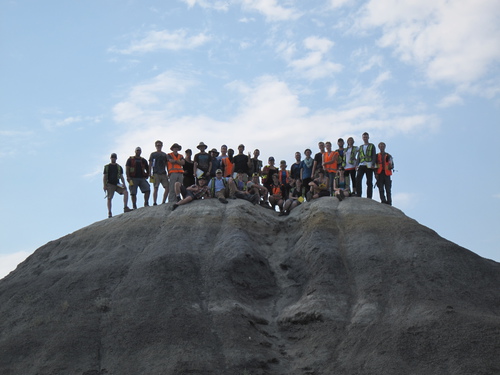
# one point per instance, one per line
(82, 79)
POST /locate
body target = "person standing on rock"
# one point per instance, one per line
(350, 162)
(306, 166)
(367, 155)
(202, 161)
(385, 165)
(175, 163)
(241, 163)
(137, 171)
(318, 160)
(330, 161)
(113, 174)
(157, 162)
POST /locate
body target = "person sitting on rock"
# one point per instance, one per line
(190, 193)
(294, 199)
(240, 188)
(219, 187)
(261, 190)
(319, 186)
(341, 184)
(276, 194)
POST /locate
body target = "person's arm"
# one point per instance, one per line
(127, 170)
(151, 163)
(105, 180)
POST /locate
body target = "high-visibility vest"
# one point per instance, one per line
(280, 176)
(120, 171)
(329, 156)
(228, 167)
(383, 164)
(369, 151)
(212, 186)
(174, 168)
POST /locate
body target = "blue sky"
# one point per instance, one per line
(82, 79)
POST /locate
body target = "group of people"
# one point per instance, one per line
(225, 175)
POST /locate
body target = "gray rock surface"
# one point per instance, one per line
(352, 287)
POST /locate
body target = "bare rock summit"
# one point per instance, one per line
(351, 287)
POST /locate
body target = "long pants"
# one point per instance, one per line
(331, 178)
(362, 170)
(352, 176)
(384, 182)
(174, 177)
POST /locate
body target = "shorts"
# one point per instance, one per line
(141, 183)
(161, 178)
(110, 188)
(186, 193)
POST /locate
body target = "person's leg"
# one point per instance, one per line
(369, 183)
(388, 189)
(109, 206)
(164, 182)
(380, 185)
(155, 189)
(359, 180)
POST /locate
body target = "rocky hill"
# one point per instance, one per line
(352, 287)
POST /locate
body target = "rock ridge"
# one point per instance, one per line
(351, 287)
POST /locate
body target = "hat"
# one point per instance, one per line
(218, 171)
(175, 145)
(113, 155)
(201, 145)
(202, 177)
(215, 150)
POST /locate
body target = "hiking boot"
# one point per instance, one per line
(223, 200)
(342, 195)
(174, 206)
(110, 215)
(126, 209)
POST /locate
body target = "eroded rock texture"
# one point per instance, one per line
(352, 287)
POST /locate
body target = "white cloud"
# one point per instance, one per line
(405, 200)
(9, 262)
(315, 64)
(451, 100)
(53, 124)
(221, 5)
(165, 40)
(152, 101)
(452, 41)
(271, 10)
(268, 115)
